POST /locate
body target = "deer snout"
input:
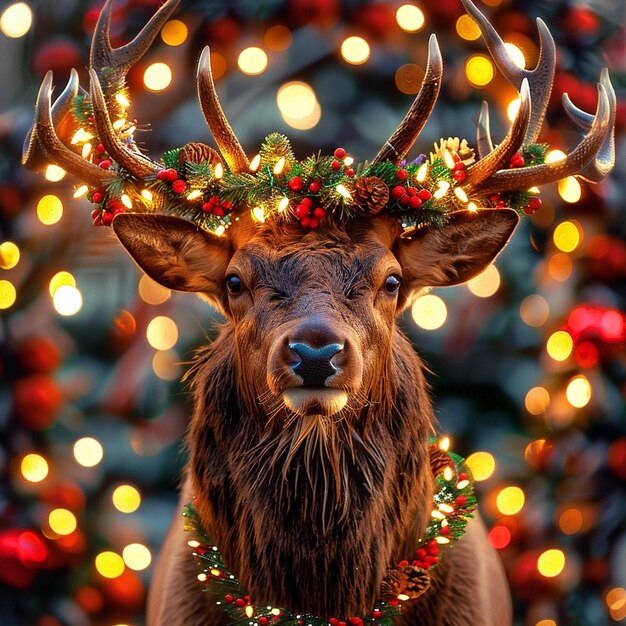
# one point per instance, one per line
(315, 365)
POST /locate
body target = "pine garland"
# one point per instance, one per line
(453, 506)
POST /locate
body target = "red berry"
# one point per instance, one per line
(461, 500)
(333, 621)
(240, 602)
(295, 183)
(314, 223)
(301, 210)
(355, 621)
(119, 210)
(97, 197)
(414, 202)
(501, 205)
(105, 164)
(162, 174)
(95, 213)
(404, 200)
(340, 153)
(219, 211)
(517, 160)
(403, 563)
(305, 221)
(226, 205)
(319, 213)
(263, 620)
(228, 598)
(402, 174)
(98, 221)
(459, 165)
(534, 203)
(114, 204)
(398, 192)
(463, 476)
(459, 175)
(179, 186)
(424, 195)
(494, 197)
(206, 207)
(377, 614)
(107, 218)
(412, 191)
(335, 165)
(100, 149)
(314, 187)
(307, 202)
(394, 602)
(445, 530)
(420, 553)
(349, 171)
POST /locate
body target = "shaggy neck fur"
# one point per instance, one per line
(311, 512)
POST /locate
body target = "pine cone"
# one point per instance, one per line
(408, 580)
(371, 193)
(439, 460)
(198, 153)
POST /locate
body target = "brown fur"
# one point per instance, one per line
(311, 510)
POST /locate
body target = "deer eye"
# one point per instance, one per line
(234, 284)
(392, 284)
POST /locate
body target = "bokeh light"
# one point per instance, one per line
(252, 61)
(551, 563)
(467, 28)
(9, 255)
(570, 189)
(157, 77)
(136, 556)
(578, 391)
(151, 292)
(560, 345)
(481, 464)
(515, 54)
(510, 500)
(49, 209)
(560, 266)
(355, 50)
(166, 365)
(409, 78)
(34, 468)
(8, 294)
(126, 498)
(174, 33)
(537, 400)
(499, 537)
(88, 452)
(534, 310)
(298, 105)
(512, 108)
(429, 312)
(62, 521)
(570, 521)
(553, 156)
(162, 333)
(67, 300)
(109, 564)
(278, 38)
(616, 598)
(54, 173)
(486, 283)
(59, 279)
(218, 64)
(16, 20)
(410, 18)
(479, 70)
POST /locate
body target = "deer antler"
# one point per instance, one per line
(398, 145)
(221, 130)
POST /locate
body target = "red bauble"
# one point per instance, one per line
(415, 202)
(179, 186)
(534, 204)
(398, 191)
(349, 171)
(315, 186)
(340, 153)
(97, 197)
(424, 195)
(314, 223)
(517, 160)
(459, 175)
(39, 355)
(168, 175)
(402, 174)
(295, 183)
(377, 614)
(335, 165)
(301, 210)
(36, 400)
(105, 164)
(228, 598)
(319, 213)
(305, 222)
(107, 218)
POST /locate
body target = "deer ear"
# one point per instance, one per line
(175, 252)
(462, 249)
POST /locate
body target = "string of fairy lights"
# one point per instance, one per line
(557, 402)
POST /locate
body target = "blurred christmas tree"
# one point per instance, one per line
(530, 360)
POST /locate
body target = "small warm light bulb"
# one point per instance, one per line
(122, 100)
(254, 164)
(446, 508)
(472, 207)
(402, 597)
(280, 164)
(54, 173)
(348, 160)
(146, 194)
(444, 185)
(442, 540)
(259, 214)
(86, 150)
(462, 484)
(420, 177)
(283, 204)
(202, 577)
(447, 474)
(448, 159)
(77, 136)
(249, 611)
(343, 191)
(119, 124)
(126, 201)
(459, 192)
(193, 543)
(81, 191)
(220, 230)
(444, 443)
(437, 515)
(218, 172)
(196, 193)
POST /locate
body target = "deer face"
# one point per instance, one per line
(312, 315)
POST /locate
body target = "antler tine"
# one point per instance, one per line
(32, 155)
(574, 163)
(134, 162)
(604, 162)
(398, 145)
(484, 144)
(499, 157)
(53, 148)
(540, 79)
(120, 60)
(223, 134)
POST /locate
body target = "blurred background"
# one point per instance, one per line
(528, 360)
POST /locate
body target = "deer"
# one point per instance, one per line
(311, 460)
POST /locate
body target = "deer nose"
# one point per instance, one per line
(315, 364)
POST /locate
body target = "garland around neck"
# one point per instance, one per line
(453, 505)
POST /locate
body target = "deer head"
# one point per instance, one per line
(311, 261)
